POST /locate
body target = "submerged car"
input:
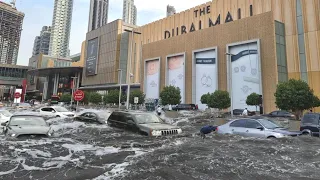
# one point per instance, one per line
(310, 124)
(23, 124)
(56, 111)
(93, 116)
(5, 116)
(141, 122)
(255, 127)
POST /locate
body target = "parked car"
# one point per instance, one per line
(310, 124)
(284, 114)
(56, 111)
(93, 116)
(238, 112)
(255, 127)
(141, 122)
(4, 115)
(23, 124)
(180, 107)
(22, 106)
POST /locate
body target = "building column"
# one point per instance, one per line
(55, 84)
(45, 89)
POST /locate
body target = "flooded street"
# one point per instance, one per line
(86, 151)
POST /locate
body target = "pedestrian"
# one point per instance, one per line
(159, 110)
(206, 130)
(245, 112)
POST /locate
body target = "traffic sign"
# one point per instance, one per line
(136, 100)
(78, 95)
(17, 95)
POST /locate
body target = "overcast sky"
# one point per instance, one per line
(38, 13)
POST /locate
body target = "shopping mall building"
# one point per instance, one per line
(242, 46)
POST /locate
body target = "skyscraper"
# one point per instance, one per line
(61, 26)
(10, 33)
(41, 43)
(129, 12)
(170, 10)
(98, 15)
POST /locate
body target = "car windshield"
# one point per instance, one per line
(6, 113)
(27, 121)
(61, 109)
(147, 118)
(269, 124)
(104, 115)
(310, 118)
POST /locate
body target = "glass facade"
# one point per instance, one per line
(12, 73)
(302, 55)
(281, 52)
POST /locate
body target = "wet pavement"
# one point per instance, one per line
(81, 151)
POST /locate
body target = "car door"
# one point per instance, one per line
(131, 124)
(237, 127)
(83, 117)
(46, 111)
(252, 129)
(273, 114)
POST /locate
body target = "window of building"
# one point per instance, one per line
(251, 10)
(301, 42)
(281, 52)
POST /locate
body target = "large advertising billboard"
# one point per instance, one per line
(245, 72)
(92, 57)
(206, 75)
(152, 79)
(176, 73)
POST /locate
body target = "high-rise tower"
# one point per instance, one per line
(61, 26)
(10, 33)
(98, 15)
(129, 12)
(41, 43)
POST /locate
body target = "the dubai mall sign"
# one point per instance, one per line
(197, 13)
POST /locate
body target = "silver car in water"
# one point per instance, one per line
(26, 125)
(255, 127)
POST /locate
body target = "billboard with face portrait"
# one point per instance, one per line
(152, 78)
(175, 75)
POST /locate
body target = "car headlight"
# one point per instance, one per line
(49, 134)
(179, 131)
(13, 135)
(156, 133)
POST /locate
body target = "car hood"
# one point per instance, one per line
(30, 129)
(158, 126)
(286, 132)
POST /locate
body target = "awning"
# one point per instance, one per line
(43, 72)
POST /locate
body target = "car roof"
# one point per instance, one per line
(131, 112)
(26, 114)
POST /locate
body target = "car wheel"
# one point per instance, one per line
(306, 134)
(144, 133)
(271, 137)
(57, 116)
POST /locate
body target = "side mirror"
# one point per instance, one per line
(261, 128)
(4, 124)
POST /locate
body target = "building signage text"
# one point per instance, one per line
(197, 13)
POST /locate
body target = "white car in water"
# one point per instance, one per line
(56, 111)
(4, 116)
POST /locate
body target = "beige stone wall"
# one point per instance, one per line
(255, 27)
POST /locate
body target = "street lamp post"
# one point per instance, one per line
(120, 84)
(129, 65)
(230, 79)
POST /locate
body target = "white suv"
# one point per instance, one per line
(56, 111)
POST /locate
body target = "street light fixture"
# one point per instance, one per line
(129, 75)
(230, 80)
(120, 84)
